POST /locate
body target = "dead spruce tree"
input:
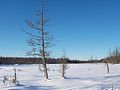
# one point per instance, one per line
(40, 39)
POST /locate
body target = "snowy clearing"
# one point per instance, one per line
(79, 77)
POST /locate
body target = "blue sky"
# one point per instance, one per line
(84, 28)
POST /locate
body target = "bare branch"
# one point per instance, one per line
(33, 42)
(31, 34)
(36, 27)
(33, 52)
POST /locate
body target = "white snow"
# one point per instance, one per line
(78, 77)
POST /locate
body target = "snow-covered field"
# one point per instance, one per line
(79, 77)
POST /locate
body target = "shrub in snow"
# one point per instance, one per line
(11, 80)
(63, 67)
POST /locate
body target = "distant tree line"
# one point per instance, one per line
(35, 60)
(113, 57)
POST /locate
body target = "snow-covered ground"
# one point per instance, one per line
(79, 77)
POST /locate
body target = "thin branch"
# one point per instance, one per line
(33, 42)
(30, 34)
(30, 24)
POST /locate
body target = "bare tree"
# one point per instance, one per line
(63, 66)
(40, 39)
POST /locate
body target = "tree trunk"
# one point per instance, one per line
(63, 71)
(108, 71)
(43, 45)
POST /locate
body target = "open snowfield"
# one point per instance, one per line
(79, 77)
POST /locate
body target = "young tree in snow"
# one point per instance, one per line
(63, 66)
(40, 39)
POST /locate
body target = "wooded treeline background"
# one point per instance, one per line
(113, 57)
(31, 60)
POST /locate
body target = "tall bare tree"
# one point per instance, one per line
(40, 39)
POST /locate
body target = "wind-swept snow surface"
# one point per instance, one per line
(79, 77)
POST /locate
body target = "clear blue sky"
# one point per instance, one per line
(83, 27)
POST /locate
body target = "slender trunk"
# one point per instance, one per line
(15, 74)
(43, 45)
(63, 64)
(108, 71)
(63, 73)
